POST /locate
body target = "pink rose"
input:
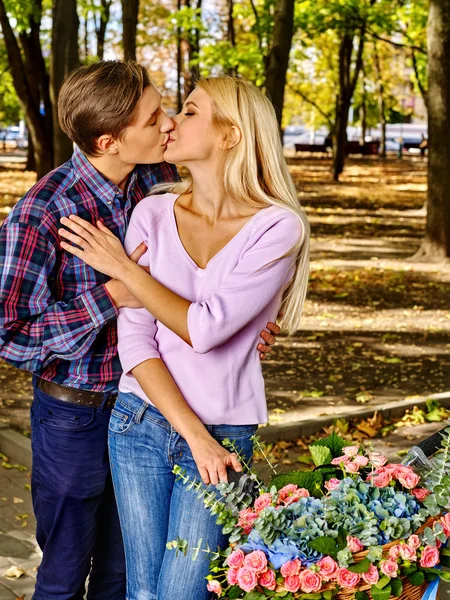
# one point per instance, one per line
(395, 552)
(414, 542)
(232, 575)
(353, 544)
(236, 559)
(214, 586)
(377, 459)
(292, 583)
(361, 461)
(340, 460)
(291, 493)
(247, 579)
(430, 557)
(372, 576)
(445, 521)
(408, 479)
(420, 493)
(310, 582)
(328, 568)
(389, 568)
(408, 553)
(382, 480)
(347, 579)
(267, 579)
(352, 468)
(351, 450)
(262, 502)
(292, 567)
(246, 518)
(332, 484)
(256, 560)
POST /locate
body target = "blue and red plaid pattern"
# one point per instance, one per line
(56, 317)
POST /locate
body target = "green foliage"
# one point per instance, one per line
(360, 567)
(320, 455)
(325, 545)
(417, 578)
(310, 480)
(333, 442)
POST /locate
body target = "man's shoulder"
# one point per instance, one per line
(150, 175)
(43, 201)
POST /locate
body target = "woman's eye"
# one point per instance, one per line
(188, 114)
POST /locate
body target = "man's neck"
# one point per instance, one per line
(112, 168)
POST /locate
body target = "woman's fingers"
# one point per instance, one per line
(83, 232)
(76, 239)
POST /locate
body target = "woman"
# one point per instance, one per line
(226, 248)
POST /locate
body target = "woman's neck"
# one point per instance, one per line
(208, 197)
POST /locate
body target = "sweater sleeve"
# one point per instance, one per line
(262, 272)
(136, 327)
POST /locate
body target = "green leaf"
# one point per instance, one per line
(310, 480)
(361, 596)
(383, 594)
(328, 595)
(321, 455)
(325, 545)
(360, 567)
(383, 582)
(444, 575)
(416, 578)
(234, 592)
(333, 442)
(342, 538)
(397, 587)
(254, 596)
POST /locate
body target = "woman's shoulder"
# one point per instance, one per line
(153, 208)
(280, 222)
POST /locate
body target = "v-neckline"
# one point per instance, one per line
(182, 248)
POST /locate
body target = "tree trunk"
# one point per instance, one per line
(63, 59)
(231, 34)
(278, 58)
(100, 29)
(41, 144)
(363, 109)
(179, 64)
(436, 244)
(193, 50)
(130, 11)
(347, 84)
(381, 103)
(31, 162)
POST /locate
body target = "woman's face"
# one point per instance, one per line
(194, 138)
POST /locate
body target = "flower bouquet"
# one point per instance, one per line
(354, 527)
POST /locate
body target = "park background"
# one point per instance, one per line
(361, 90)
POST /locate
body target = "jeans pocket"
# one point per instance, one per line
(121, 421)
(70, 419)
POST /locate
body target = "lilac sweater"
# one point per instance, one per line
(233, 298)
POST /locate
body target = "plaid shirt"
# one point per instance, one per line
(56, 317)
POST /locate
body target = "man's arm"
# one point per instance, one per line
(35, 328)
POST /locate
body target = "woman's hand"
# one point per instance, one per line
(100, 248)
(212, 460)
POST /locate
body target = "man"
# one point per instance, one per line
(58, 319)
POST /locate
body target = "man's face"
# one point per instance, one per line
(145, 140)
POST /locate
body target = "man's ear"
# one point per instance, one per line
(107, 144)
(232, 137)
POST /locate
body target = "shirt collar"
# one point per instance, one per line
(102, 187)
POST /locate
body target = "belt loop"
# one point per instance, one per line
(140, 413)
(106, 396)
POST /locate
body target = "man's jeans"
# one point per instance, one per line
(77, 523)
(155, 509)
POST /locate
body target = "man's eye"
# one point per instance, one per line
(188, 114)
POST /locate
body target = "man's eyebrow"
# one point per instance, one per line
(156, 109)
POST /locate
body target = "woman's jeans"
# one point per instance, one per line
(154, 508)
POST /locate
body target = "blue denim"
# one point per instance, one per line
(78, 527)
(154, 508)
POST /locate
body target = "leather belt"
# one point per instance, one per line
(74, 396)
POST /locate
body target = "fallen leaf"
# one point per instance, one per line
(17, 500)
(13, 573)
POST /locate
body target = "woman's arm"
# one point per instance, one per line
(251, 286)
(211, 458)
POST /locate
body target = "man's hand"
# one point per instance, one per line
(269, 338)
(118, 292)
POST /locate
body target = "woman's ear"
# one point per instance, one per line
(232, 137)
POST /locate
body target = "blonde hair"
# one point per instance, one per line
(255, 171)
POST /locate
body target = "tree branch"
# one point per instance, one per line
(398, 44)
(420, 85)
(257, 24)
(304, 97)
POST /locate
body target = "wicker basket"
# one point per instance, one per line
(410, 592)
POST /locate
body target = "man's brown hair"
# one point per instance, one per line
(100, 99)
